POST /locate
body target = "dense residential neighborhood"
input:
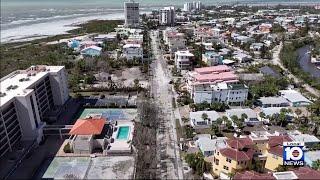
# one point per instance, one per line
(188, 92)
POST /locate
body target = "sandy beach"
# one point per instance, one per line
(55, 27)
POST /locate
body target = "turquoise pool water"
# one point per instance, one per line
(123, 133)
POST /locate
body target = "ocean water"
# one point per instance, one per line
(22, 19)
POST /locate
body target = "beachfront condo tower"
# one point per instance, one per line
(26, 99)
(131, 14)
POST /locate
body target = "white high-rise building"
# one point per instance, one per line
(131, 14)
(25, 98)
(190, 6)
(187, 7)
(197, 5)
(167, 16)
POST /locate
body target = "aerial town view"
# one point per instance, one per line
(141, 89)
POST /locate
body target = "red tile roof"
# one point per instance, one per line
(276, 150)
(88, 127)
(253, 175)
(275, 144)
(278, 140)
(236, 154)
(211, 69)
(240, 143)
(306, 173)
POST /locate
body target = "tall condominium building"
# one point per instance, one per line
(190, 6)
(167, 16)
(25, 98)
(131, 14)
(197, 5)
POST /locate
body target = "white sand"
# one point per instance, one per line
(55, 27)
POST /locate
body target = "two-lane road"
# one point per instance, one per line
(170, 164)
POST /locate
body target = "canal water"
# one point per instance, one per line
(305, 63)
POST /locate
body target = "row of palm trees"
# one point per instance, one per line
(280, 119)
(197, 163)
(239, 122)
(219, 124)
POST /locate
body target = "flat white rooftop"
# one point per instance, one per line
(18, 82)
(184, 53)
(285, 175)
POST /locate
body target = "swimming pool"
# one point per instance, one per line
(123, 133)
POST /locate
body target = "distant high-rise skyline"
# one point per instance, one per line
(190, 6)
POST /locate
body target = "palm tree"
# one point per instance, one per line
(229, 124)
(225, 119)
(244, 116)
(316, 164)
(136, 83)
(272, 119)
(314, 108)
(219, 123)
(282, 118)
(316, 121)
(262, 115)
(204, 116)
(192, 106)
(234, 118)
(283, 110)
(184, 119)
(298, 112)
(197, 163)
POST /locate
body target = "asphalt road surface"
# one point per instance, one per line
(170, 164)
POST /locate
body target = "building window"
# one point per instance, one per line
(217, 161)
(226, 167)
(228, 160)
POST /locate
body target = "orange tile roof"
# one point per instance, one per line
(88, 127)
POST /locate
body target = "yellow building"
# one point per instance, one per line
(237, 156)
(240, 153)
(274, 151)
(228, 160)
(273, 161)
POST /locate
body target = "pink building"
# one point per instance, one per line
(216, 84)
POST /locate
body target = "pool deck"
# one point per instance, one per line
(119, 145)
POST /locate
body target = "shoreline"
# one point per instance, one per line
(53, 26)
(36, 31)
